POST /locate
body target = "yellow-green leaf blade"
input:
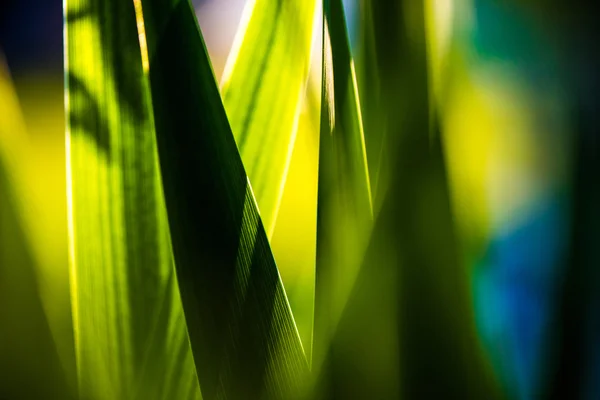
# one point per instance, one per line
(263, 88)
(295, 235)
(345, 212)
(130, 335)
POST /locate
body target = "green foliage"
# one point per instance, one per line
(242, 332)
(130, 334)
(423, 329)
(345, 213)
(175, 291)
(263, 87)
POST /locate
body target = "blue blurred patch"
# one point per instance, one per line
(350, 10)
(514, 287)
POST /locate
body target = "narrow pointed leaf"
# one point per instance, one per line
(130, 333)
(370, 77)
(263, 88)
(242, 332)
(344, 198)
(295, 236)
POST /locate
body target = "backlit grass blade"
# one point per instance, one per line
(345, 213)
(372, 92)
(130, 332)
(263, 88)
(242, 332)
(295, 235)
(31, 364)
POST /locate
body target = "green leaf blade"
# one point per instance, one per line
(265, 94)
(345, 211)
(242, 331)
(263, 87)
(128, 335)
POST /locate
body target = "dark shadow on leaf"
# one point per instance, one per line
(119, 41)
(76, 16)
(85, 114)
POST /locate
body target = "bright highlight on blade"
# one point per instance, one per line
(362, 134)
(139, 17)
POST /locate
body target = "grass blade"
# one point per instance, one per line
(264, 91)
(130, 333)
(263, 86)
(345, 213)
(242, 332)
(295, 236)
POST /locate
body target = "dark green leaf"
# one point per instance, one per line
(242, 332)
